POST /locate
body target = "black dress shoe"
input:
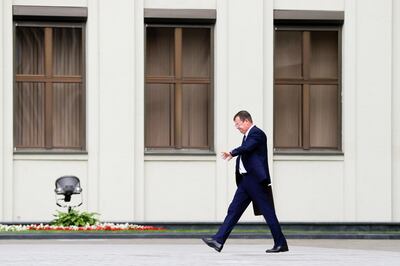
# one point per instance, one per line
(277, 249)
(213, 243)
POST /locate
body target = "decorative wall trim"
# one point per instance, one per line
(52, 13)
(198, 16)
(308, 17)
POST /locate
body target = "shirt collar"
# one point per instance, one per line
(247, 132)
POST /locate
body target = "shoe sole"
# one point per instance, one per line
(216, 249)
(285, 250)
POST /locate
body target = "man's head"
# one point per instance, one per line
(243, 121)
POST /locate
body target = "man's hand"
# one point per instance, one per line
(226, 155)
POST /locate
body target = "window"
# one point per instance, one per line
(49, 105)
(307, 92)
(178, 87)
(49, 78)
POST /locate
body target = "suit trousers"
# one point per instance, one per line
(251, 190)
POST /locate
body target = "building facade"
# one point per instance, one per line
(136, 98)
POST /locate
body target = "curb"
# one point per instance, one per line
(41, 236)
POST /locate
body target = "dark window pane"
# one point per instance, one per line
(29, 50)
(48, 114)
(67, 115)
(29, 127)
(196, 52)
(287, 105)
(324, 116)
(191, 46)
(288, 54)
(324, 54)
(67, 51)
(159, 118)
(195, 116)
(160, 51)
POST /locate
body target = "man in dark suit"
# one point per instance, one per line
(253, 185)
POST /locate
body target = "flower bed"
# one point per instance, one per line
(88, 228)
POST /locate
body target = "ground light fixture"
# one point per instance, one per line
(66, 187)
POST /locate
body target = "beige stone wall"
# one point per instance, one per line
(123, 184)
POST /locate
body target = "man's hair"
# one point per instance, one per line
(243, 115)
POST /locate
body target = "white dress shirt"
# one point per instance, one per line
(243, 170)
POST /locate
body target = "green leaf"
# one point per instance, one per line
(75, 218)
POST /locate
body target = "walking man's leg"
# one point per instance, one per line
(264, 200)
(238, 205)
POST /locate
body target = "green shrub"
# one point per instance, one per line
(75, 218)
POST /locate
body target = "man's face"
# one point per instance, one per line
(242, 126)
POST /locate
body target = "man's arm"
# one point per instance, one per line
(251, 143)
(226, 155)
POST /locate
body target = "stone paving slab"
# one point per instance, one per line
(193, 252)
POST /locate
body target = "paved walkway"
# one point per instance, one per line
(193, 252)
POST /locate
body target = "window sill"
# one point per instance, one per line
(311, 155)
(174, 155)
(307, 152)
(49, 151)
(173, 152)
(69, 155)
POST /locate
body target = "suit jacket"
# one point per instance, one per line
(253, 152)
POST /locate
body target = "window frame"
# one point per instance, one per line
(304, 123)
(45, 22)
(178, 79)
